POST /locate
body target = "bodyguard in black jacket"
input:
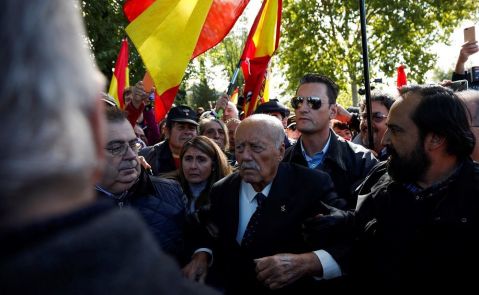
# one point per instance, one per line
(346, 163)
(319, 147)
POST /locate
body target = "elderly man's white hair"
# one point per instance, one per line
(271, 124)
(48, 95)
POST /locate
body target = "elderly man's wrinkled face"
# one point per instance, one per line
(180, 133)
(122, 167)
(214, 131)
(256, 153)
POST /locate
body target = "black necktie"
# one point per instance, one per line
(253, 221)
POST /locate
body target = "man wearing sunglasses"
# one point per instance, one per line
(126, 184)
(319, 147)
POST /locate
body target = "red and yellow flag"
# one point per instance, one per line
(168, 33)
(262, 42)
(120, 79)
(234, 96)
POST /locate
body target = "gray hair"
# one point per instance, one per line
(48, 96)
(471, 99)
(271, 124)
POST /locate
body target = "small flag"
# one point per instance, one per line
(262, 42)
(234, 96)
(120, 79)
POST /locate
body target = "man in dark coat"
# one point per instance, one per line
(54, 237)
(260, 211)
(319, 147)
(417, 220)
(161, 202)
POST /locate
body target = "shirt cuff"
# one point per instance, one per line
(207, 250)
(331, 268)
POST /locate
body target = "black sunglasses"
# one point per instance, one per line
(314, 102)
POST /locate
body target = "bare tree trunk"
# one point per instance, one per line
(354, 92)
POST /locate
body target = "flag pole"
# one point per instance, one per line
(367, 86)
(233, 79)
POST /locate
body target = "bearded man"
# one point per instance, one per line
(418, 213)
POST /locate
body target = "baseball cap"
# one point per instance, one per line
(182, 114)
(272, 106)
(291, 122)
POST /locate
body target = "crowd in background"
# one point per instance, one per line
(100, 199)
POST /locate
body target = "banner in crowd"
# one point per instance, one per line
(120, 79)
(168, 33)
(262, 42)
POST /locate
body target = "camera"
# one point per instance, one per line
(459, 85)
(362, 91)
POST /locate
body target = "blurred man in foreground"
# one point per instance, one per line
(55, 239)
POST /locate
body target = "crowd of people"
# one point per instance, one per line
(101, 199)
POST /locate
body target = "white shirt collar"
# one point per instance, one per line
(251, 193)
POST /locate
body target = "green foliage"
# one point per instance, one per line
(438, 74)
(105, 26)
(202, 95)
(325, 37)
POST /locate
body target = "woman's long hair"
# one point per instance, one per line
(220, 167)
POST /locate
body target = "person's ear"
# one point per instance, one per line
(333, 111)
(98, 129)
(282, 149)
(434, 141)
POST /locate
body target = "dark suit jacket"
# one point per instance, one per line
(296, 194)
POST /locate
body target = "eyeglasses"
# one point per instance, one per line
(377, 117)
(314, 102)
(119, 148)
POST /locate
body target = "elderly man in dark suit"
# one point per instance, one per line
(260, 211)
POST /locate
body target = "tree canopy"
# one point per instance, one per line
(317, 36)
(325, 37)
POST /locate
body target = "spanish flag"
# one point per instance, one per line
(120, 79)
(262, 42)
(169, 33)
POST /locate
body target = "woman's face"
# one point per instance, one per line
(197, 166)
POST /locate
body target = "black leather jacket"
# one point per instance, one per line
(346, 163)
(159, 157)
(410, 238)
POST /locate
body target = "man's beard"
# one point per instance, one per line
(408, 169)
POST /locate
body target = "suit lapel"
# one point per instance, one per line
(232, 203)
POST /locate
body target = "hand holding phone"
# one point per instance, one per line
(459, 85)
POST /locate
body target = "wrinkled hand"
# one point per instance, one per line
(197, 269)
(222, 103)
(445, 83)
(144, 163)
(467, 50)
(280, 270)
